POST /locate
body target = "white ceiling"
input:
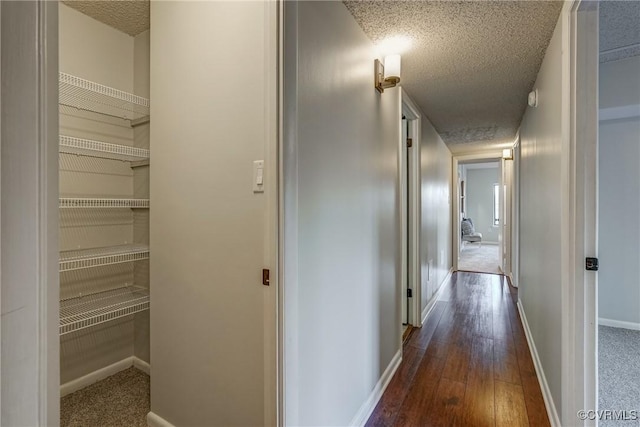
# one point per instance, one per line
(129, 16)
(619, 30)
(471, 63)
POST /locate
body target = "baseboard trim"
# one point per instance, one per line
(619, 324)
(102, 373)
(154, 420)
(617, 113)
(552, 413)
(141, 365)
(427, 309)
(95, 376)
(369, 405)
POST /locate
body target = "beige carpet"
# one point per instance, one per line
(480, 259)
(121, 400)
(618, 373)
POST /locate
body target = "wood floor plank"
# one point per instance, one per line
(511, 410)
(534, 401)
(445, 326)
(387, 408)
(479, 402)
(483, 325)
(469, 365)
(501, 319)
(420, 337)
(505, 361)
(456, 366)
(536, 409)
(421, 392)
(437, 349)
(447, 406)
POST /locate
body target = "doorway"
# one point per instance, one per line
(618, 232)
(482, 195)
(409, 179)
(480, 216)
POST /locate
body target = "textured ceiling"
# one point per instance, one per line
(619, 30)
(471, 64)
(129, 16)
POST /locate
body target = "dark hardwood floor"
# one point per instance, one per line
(469, 365)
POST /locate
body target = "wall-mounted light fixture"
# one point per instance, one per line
(532, 100)
(387, 75)
(507, 154)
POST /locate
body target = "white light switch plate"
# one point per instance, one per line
(258, 176)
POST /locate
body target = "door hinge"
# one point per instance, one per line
(591, 264)
(409, 293)
(409, 142)
(265, 276)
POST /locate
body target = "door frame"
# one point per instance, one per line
(515, 215)
(273, 355)
(580, 210)
(29, 240)
(410, 222)
(489, 156)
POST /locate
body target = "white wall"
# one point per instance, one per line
(540, 215)
(209, 309)
(435, 244)
(479, 201)
(619, 202)
(141, 50)
(95, 51)
(342, 275)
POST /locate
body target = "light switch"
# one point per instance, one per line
(258, 176)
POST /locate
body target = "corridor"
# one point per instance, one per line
(469, 365)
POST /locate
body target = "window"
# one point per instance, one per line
(496, 204)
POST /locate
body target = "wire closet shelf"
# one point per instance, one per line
(92, 203)
(98, 257)
(90, 310)
(103, 150)
(86, 95)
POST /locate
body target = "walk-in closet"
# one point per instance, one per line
(104, 212)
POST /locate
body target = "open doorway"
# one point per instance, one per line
(482, 196)
(618, 230)
(409, 167)
(480, 216)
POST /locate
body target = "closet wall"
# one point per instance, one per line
(141, 191)
(94, 51)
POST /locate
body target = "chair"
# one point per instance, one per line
(469, 234)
